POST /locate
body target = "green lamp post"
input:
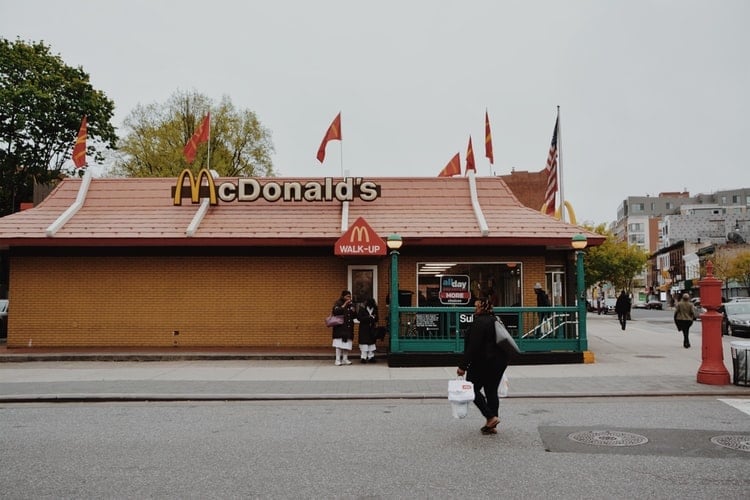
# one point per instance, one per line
(394, 242)
(579, 242)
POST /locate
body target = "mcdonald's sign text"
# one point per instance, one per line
(250, 189)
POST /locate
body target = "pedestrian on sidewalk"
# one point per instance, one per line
(622, 308)
(343, 334)
(684, 315)
(542, 300)
(368, 323)
(484, 363)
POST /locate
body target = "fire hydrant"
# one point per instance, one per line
(712, 370)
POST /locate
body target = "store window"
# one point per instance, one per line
(451, 283)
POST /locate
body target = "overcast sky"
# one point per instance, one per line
(653, 94)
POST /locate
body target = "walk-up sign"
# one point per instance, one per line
(360, 239)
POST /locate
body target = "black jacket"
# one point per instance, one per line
(345, 331)
(622, 305)
(479, 343)
(367, 325)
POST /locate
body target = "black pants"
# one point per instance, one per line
(622, 318)
(684, 325)
(486, 375)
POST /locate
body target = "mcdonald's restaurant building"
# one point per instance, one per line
(204, 262)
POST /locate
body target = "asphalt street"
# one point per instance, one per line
(677, 447)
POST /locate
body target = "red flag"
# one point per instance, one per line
(333, 134)
(488, 139)
(470, 158)
(551, 169)
(79, 149)
(452, 168)
(201, 135)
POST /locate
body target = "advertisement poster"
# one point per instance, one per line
(454, 290)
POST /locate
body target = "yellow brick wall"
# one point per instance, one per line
(218, 301)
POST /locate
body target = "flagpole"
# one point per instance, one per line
(341, 156)
(560, 166)
(208, 153)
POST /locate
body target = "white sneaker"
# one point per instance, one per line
(346, 362)
(337, 363)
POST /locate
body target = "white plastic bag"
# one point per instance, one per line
(460, 394)
(502, 389)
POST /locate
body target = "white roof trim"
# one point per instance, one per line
(74, 208)
(483, 227)
(201, 213)
(344, 216)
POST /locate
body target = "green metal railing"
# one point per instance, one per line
(442, 329)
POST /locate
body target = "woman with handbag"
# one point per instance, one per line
(343, 334)
(484, 363)
(368, 322)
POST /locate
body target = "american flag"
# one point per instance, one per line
(551, 169)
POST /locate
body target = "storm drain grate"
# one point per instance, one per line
(608, 438)
(733, 442)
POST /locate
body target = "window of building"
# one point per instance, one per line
(500, 281)
(636, 227)
(363, 283)
(670, 205)
(723, 200)
(637, 239)
(735, 198)
(637, 207)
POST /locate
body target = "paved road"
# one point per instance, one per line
(562, 448)
(646, 359)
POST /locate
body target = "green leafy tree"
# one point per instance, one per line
(156, 135)
(739, 268)
(42, 102)
(614, 261)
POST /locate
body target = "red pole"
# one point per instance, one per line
(712, 370)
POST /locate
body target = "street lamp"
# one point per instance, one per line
(579, 242)
(394, 242)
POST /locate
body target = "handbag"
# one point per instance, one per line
(504, 339)
(380, 332)
(333, 320)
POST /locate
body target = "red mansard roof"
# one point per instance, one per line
(424, 211)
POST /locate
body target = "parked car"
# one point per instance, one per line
(697, 308)
(639, 304)
(609, 306)
(736, 319)
(654, 304)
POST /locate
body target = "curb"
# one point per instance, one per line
(147, 397)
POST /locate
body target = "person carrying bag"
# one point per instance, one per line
(484, 363)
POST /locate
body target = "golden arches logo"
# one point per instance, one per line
(568, 207)
(195, 186)
(360, 234)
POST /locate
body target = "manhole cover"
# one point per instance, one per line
(741, 443)
(608, 438)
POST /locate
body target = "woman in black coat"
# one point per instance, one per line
(484, 363)
(343, 335)
(368, 322)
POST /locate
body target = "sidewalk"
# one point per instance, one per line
(645, 360)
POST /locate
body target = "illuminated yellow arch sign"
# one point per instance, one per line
(250, 189)
(568, 207)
